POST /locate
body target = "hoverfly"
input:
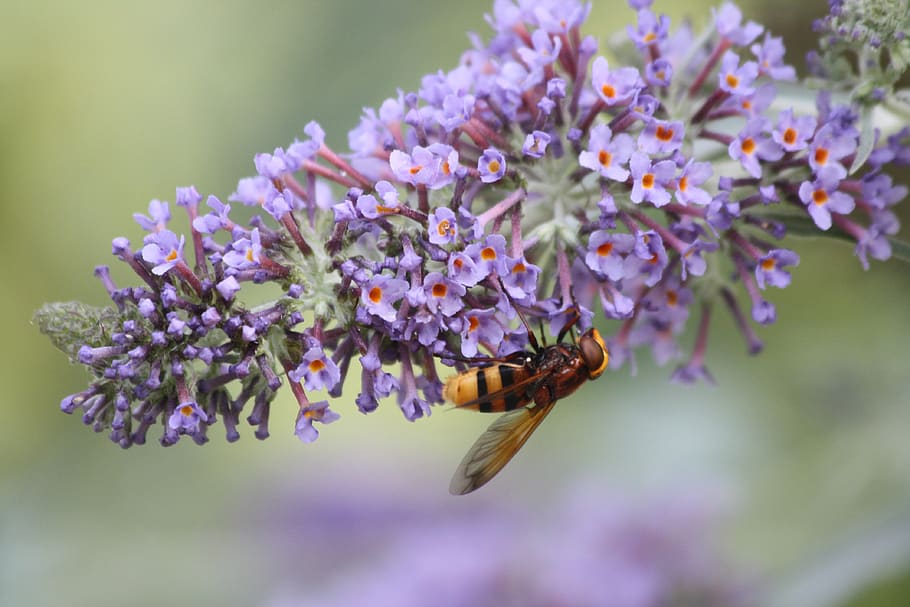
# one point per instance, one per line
(525, 386)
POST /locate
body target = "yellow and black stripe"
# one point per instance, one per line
(492, 389)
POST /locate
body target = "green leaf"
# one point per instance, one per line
(900, 249)
(72, 324)
(866, 140)
(803, 227)
(801, 96)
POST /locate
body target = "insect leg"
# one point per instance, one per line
(511, 358)
(574, 317)
(532, 339)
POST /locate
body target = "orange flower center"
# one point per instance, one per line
(186, 410)
(458, 263)
(821, 155)
(443, 227)
(440, 290)
(519, 268)
(790, 136)
(376, 295)
(768, 264)
(493, 166)
(172, 255)
(664, 134)
(748, 145)
(473, 323)
(732, 81)
(683, 183)
(819, 197)
(416, 169)
(608, 91)
(316, 365)
(605, 158)
(672, 297)
(605, 249)
(647, 181)
(488, 254)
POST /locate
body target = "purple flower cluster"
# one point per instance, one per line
(534, 172)
(590, 550)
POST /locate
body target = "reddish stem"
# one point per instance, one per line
(719, 50)
(345, 167)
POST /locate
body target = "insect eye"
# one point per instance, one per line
(593, 352)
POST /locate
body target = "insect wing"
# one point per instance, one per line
(496, 447)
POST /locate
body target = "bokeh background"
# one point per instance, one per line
(798, 461)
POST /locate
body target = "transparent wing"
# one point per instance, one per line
(496, 447)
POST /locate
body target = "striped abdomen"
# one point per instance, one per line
(490, 389)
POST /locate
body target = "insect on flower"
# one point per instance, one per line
(523, 386)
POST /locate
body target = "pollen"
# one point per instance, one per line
(732, 81)
(376, 295)
(416, 169)
(171, 256)
(440, 290)
(605, 158)
(768, 264)
(519, 268)
(650, 37)
(664, 134)
(790, 136)
(821, 155)
(488, 254)
(819, 197)
(186, 410)
(608, 91)
(443, 227)
(473, 323)
(748, 145)
(446, 170)
(494, 166)
(647, 181)
(605, 249)
(458, 263)
(683, 184)
(316, 365)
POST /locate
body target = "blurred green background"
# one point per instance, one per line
(105, 105)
